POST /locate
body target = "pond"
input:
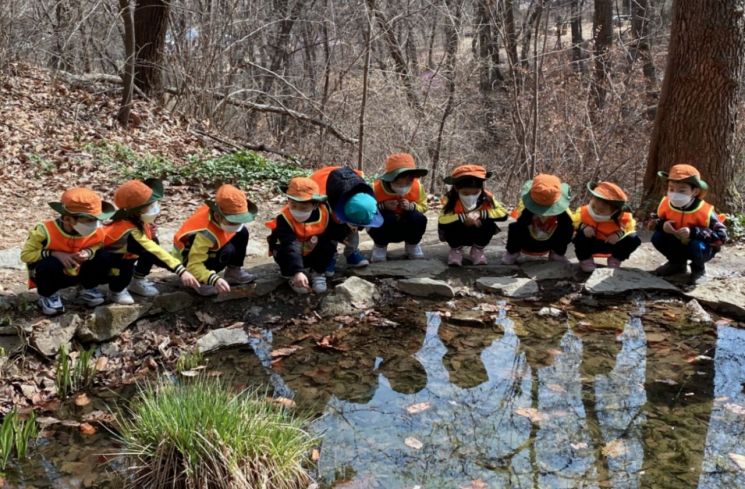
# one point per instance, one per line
(609, 395)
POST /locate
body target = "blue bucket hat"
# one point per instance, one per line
(360, 210)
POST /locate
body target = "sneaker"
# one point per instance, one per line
(51, 305)
(698, 274)
(614, 262)
(318, 283)
(379, 253)
(588, 265)
(238, 276)
(510, 258)
(455, 257)
(477, 255)
(143, 287)
(331, 268)
(207, 290)
(356, 260)
(670, 268)
(414, 251)
(121, 297)
(91, 297)
(553, 256)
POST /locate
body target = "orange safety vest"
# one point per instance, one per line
(700, 216)
(201, 221)
(485, 205)
(119, 231)
(306, 232)
(382, 195)
(604, 229)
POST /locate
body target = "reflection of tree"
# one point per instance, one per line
(564, 454)
(725, 441)
(466, 434)
(619, 399)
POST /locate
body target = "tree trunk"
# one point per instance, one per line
(529, 26)
(128, 77)
(150, 26)
(486, 38)
(697, 113)
(577, 41)
(640, 20)
(507, 13)
(603, 37)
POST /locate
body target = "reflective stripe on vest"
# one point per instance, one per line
(305, 232)
(700, 216)
(382, 195)
(198, 222)
(603, 229)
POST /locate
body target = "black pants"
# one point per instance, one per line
(231, 255)
(519, 239)
(50, 276)
(457, 234)
(145, 260)
(675, 251)
(585, 247)
(317, 260)
(408, 226)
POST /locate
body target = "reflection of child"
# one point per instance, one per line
(544, 224)
(469, 214)
(604, 226)
(687, 228)
(58, 252)
(402, 202)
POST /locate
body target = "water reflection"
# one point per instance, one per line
(724, 453)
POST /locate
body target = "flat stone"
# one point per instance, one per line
(172, 301)
(48, 335)
(548, 270)
(354, 294)
(426, 287)
(474, 319)
(696, 313)
(222, 338)
(516, 287)
(610, 281)
(109, 321)
(402, 268)
(726, 296)
(261, 287)
(11, 258)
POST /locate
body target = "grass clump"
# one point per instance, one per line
(189, 361)
(200, 435)
(15, 436)
(73, 375)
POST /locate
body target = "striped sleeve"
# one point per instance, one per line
(448, 217)
(495, 212)
(198, 255)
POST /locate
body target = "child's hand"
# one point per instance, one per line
(82, 255)
(188, 280)
(683, 233)
(588, 231)
(67, 259)
(222, 286)
(669, 227)
(390, 205)
(300, 280)
(613, 239)
(406, 205)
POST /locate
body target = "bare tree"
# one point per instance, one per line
(603, 36)
(150, 25)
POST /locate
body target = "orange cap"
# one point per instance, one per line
(231, 200)
(545, 189)
(608, 191)
(683, 172)
(399, 161)
(303, 189)
(131, 194)
(463, 171)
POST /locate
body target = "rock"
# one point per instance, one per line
(426, 287)
(550, 311)
(551, 270)
(222, 338)
(172, 301)
(109, 321)
(516, 287)
(11, 258)
(402, 268)
(620, 280)
(6, 304)
(725, 295)
(48, 335)
(352, 295)
(474, 319)
(697, 314)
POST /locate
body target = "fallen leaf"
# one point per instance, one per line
(81, 399)
(475, 484)
(101, 363)
(532, 414)
(418, 407)
(412, 442)
(47, 421)
(99, 416)
(190, 373)
(579, 446)
(284, 402)
(315, 455)
(738, 459)
(87, 429)
(285, 352)
(614, 448)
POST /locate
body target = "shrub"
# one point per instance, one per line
(200, 435)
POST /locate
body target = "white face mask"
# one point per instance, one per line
(469, 201)
(679, 200)
(85, 228)
(401, 189)
(150, 212)
(231, 228)
(301, 216)
(598, 217)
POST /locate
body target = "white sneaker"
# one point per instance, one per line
(143, 287)
(122, 297)
(318, 283)
(237, 276)
(379, 253)
(414, 251)
(207, 290)
(91, 297)
(51, 305)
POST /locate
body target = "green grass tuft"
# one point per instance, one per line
(74, 375)
(189, 360)
(15, 436)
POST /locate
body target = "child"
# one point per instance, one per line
(58, 252)
(544, 224)
(402, 202)
(469, 215)
(299, 240)
(687, 226)
(605, 227)
(130, 238)
(353, 206)
(215, 238)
